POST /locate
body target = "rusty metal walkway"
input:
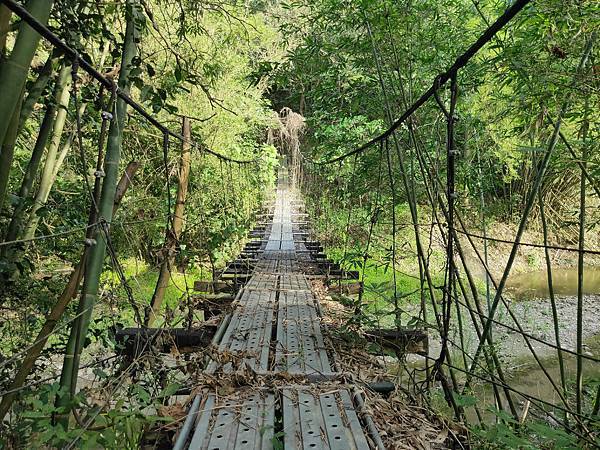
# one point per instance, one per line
(274, 334)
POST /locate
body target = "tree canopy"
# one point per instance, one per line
(89, 187)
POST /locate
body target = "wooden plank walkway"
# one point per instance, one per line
(275, 331)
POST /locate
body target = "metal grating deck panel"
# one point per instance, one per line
(244, 422)
(275, 324)
(249, 332)
(300, 349)
(321, 421)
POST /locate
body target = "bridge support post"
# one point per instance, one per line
(173, 233)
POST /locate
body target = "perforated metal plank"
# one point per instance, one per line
(300, 246)
(353, 422)
(311, 356)
(281, 345)
(294, 281)
(265, 265)
(249, 331)
(201, 431)
(244, 422)
(236, 324)
(286, 266)
(273, 245)
(287, 245)
(320, 421)
(311, 420)
(300, 354)
(267, 428)
(249, 321)
(292, 431)
(250, 427)
(262, 281)
(278, 254)
(300, 348)
(334, 424)
(259, 338)
(225, 427)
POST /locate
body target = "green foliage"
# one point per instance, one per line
(230, 66)
(195, 60)
(119, 426)
(536, 435)
(334, 139)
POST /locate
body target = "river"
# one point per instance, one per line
(532, 285)
(533, 309)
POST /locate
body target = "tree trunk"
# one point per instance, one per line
(62, 100)
(59, 307)
(13, 71)
(172, 237)
(95, 259)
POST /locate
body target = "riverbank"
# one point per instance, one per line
(535, 317)
(529, 258)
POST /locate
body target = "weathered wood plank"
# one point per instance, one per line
(136, 341)
(403, 340)
(213, 286)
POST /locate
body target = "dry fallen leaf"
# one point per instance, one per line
(176, 411)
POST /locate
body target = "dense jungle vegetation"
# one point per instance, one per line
(257, 79)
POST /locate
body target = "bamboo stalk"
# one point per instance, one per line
(489, 352)
(526, 210)
(5, 15)
(555, 319)
(33, 95)
(61, 304)
(95, 260)
(63, 95)
(434, 176)
(414, 216)
(14, 228)
(492, 358)
(580, 261)
(13, 71)
(16, 222)
(7, 152)
(489, 360)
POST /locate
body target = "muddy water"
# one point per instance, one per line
(526, 376)
(529, 379)
(530, 285)
(523, 374)
(533, 311)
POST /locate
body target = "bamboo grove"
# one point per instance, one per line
(420, 188)
(443, 149)
(89, 120)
